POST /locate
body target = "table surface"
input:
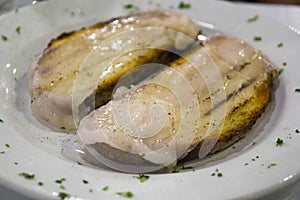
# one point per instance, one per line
(287, 14)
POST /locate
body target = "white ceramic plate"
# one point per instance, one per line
(27, 146)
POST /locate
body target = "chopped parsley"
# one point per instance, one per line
(125, 194)
(79, 163)
(272, 165)
(90, 190)
(40, 183)
(217, 173)
(280, 44)
(142, 177)
(279, 142)
(1, 121)
(18, 29)
(297, 90)
(183, 5)
(284, 63)
(4, 37)
(59, 181)
(63, 195)
(26, 175)
(128, 6)
(253, 19)
(280, 71)
(297, 131)
(176, 168)
(257, 38)
(7, 145)
(105, 188)
(2, 152)
(85, 181)
(16, 163)
(62, 187)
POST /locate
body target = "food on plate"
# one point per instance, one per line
(204, 102)
(63, 82)
(207, 95)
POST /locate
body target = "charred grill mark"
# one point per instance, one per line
(239, 68)
(243, 86)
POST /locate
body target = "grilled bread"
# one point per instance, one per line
(225, 83)
(64, 79)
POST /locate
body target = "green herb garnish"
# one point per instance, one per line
(59, 181)
(90, 190)
(1, 121)
(7, 145)
(272, 165)
(284, 63)
(280, 44)
(253, 19)
(297, 90)
(26, 175)
(125, 194)
(4, 38)
(131, 7)
(79, 163)
(16, 163)
(2, 152)
(105, 188)
(63, 195)
(297, 131)
(142, 177)
(279, 142)
(183, 5)
(176, 168)
(128, 6)
(18, 29)
(280, 71)
(85, 181)
(62, 187)
(219, 174)
(40, 183)
(257, 38)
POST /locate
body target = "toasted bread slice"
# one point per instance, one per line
(79, 64)
(232, 90)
